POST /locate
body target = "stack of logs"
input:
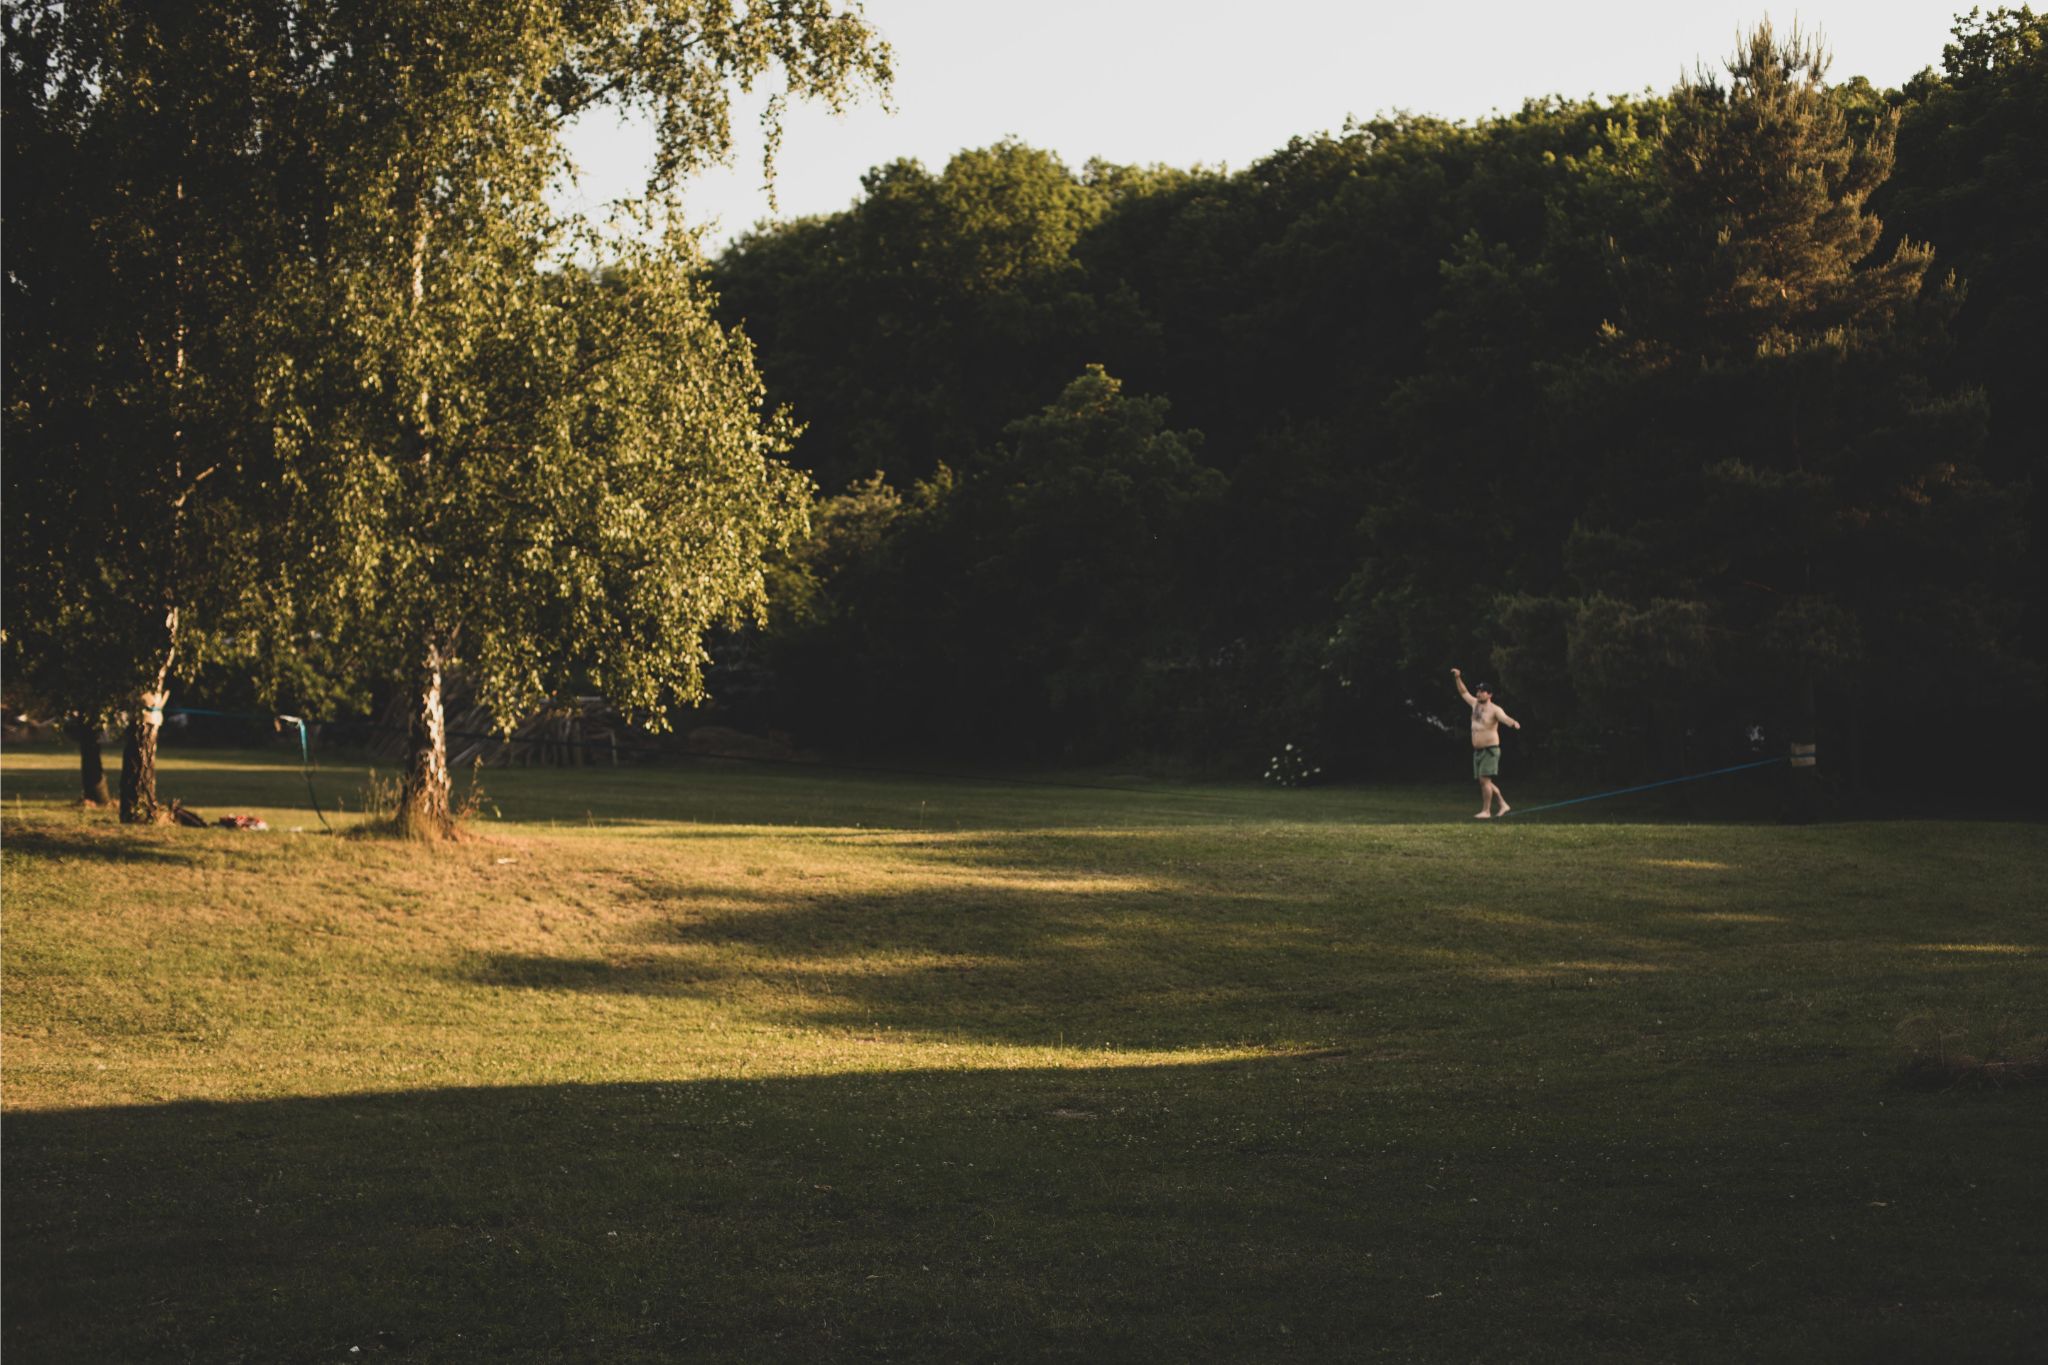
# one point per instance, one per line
(567, 732)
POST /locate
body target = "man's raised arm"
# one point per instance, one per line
(1459, 679)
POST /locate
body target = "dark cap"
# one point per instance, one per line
(1482, 687)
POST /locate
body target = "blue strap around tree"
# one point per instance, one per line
(305, 749)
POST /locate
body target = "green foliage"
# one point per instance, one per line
(1623, 394)
(136, 221)
(847, 530)
(1972, 140)
(909, 329)
(1085, 519)
(328, 231)
(1487, 457)
(1018, 604)
(487, 458)
(1785, 483)
(601, 489)
(1655, 393)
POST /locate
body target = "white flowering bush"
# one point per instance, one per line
(1291, 768)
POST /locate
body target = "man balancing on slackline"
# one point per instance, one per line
(1486, 722)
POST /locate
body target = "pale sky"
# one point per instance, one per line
(1195, 82)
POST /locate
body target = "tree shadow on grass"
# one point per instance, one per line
(1004, 964)
(987, 938)
(1134, 939)
(1130, 1213)
(42, 843)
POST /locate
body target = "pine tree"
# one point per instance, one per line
(1791, 514)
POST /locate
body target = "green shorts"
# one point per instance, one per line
(1486, 762)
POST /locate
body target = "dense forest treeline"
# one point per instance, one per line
(1701, 421)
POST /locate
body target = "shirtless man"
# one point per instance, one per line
(1486, 722)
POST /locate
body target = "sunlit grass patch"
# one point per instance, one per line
(1550, 970)
(2014, 949)
(1735, 917)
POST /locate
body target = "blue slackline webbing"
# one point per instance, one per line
(304, 753)
(306, 758)
(1626, 791)
(305, 750)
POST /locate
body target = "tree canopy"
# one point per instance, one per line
(1636, 398)
(454, 445)
(140, 218)
(1700, 419)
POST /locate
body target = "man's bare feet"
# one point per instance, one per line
(1504, 809)
(1483, 815)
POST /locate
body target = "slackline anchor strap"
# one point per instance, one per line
(305, 748)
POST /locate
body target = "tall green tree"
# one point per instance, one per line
(1973, 142)
(908, 329)
(1031, 603)
(1483, 466)
(491, 459)
(138, 222)
(1789, 517)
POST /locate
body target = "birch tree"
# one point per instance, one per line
(489, 458)
(137, 219)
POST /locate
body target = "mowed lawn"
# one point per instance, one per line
(775, 1064)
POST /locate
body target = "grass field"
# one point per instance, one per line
(778, 1064)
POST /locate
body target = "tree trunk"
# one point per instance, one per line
(138, 762)
(145, 722)
(425, 799)
(1803, 779)
(1852, 750)
(425, 803)
(92, 768)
